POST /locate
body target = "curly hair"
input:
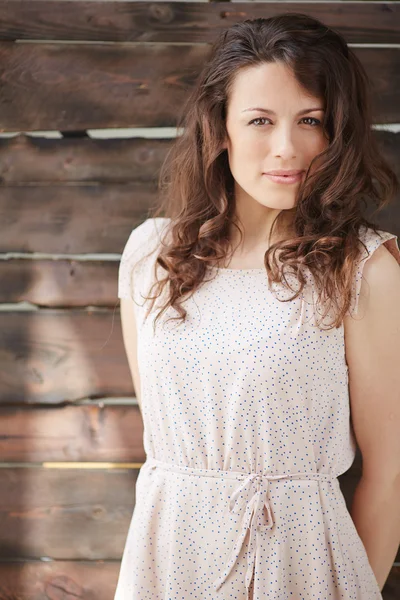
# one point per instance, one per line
(196, 184)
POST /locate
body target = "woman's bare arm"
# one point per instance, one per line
(372, 354)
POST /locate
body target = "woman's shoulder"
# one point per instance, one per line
(370, 241)
(143, 237)
(142, 242)
(145, 231)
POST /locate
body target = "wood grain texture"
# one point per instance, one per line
(28, 159)
(59, 356)
(70, 219)
(78, 514)
(85, 196)
(71, 87)
(58, 580)
(39, 160)
(90, 433)
(59, 283)
(183, 21)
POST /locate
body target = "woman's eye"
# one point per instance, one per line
(258, 119)
(315, 123)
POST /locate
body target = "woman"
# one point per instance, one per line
(277, 325)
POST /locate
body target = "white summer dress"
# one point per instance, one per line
(247, 426)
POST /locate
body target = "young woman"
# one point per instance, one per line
(275, 318)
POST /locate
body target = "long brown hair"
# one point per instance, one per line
(196, 185)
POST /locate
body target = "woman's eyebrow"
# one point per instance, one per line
(271, 112)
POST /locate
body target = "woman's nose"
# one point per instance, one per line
(283, 143)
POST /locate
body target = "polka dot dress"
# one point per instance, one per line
(246, 428)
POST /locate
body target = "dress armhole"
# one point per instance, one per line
(372, 241)
(129, 258)
(142, 241)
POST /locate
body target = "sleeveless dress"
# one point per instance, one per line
(247, 426)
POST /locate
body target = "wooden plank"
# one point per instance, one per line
(58, 580)
(72, 87)
(28, 159)
(59, 218)
(106, 433)
(85, 580)
(183, 21)
(79, 514)
(72, 219)
(68, 514)
(60, 356)
(81, 86)
(90, 433)
(54, 283)
(81, 283)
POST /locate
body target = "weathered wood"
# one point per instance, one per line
(54, 283)
(59, 218)
(81, 283)
(85, 86)
(90, 433)
(71, 87)
(183, 21)
(73, 513)
(72, 219)
(28, 159)
(65, 513)
(58, 580)
(56, 356)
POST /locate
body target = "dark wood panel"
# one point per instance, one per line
(58, 580)
(59, 283)
(91, 433)
(72, 87)
(65, 513)
(183, 22)
(75, 220)
(81, 283)
(28, 159)
(74, 513)
(56, 356)
(72, 219)
(95, 217)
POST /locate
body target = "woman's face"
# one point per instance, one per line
(278, 137)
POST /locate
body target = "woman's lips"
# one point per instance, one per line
(285, 179)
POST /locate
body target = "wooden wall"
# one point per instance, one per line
(70, 428)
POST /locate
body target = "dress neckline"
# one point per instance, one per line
(254, 270)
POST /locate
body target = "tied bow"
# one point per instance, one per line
(252, 493)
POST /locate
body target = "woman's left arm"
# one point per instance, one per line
(372, 342)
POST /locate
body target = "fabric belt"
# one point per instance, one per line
(252, 493)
